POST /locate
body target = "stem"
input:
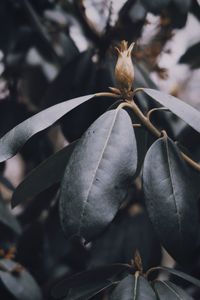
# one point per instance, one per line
(137, 125)
(150, 112)
(138, 90)
(107, 94)
(146, 122)
(152, 270)
(190, 161)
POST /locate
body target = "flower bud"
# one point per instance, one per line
(124, 71)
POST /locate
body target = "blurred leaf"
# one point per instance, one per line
(182, 5)
(7, 183)
(190, 139)
(182, 275)
(98, 175)
(20, 284)
(73, 253)
(7, 219)
(32, 240)
(181, 109)
(40, 29)
(171, 193)
(83, 76)
(43, 176)
(191, 56)
(86, 284)
(155, 6)
(118, 245)
(12, 141)
(166, 290)
(195, 8)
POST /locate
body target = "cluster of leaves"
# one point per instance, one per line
(90, 186)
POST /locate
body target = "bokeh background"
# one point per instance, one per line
(51, 51)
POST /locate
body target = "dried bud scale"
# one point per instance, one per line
(124, 70)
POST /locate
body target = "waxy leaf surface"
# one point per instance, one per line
(171, 194)
(13, 140)
(98, 175)
(166, 290)
(181, 109)
(133, 288)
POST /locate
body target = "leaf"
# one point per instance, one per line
(43, 176)
(191, 56)
(88, 283)
(20, 284)
(180, 274)
(98, 175)
(171, 194)
(155, 6)
(181, 109)
(83, 76)
(40, 29)
(118, 239)
(133, 287)
(88, 292)
(7, 219)
(166, 290)
(12, 141)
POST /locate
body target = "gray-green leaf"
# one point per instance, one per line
(98, 175)
(171, 194)
(43, 176)
(12, 141)
(166, 290)
(181, 109)
(133, 288)
(20, 284)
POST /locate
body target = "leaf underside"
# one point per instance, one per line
(181, 109)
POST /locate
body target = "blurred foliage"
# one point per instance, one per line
(53, 50)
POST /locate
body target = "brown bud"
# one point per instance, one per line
(124, 71)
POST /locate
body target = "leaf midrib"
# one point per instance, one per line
(172, 290)
(95, 172)
(173, 187)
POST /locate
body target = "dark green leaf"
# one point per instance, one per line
(12, 141)
(142, 139)
(43, 176)
(83, 77)
(20, 283)
(167, 290)
(40, 29)
(171, 194)
(98, 175)
(181, 109)
(7, 219)
(191, 56)
(133, 288)
(155, 6)
(88, 292)
(117, 242)
(182, 275)
(89, 283)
